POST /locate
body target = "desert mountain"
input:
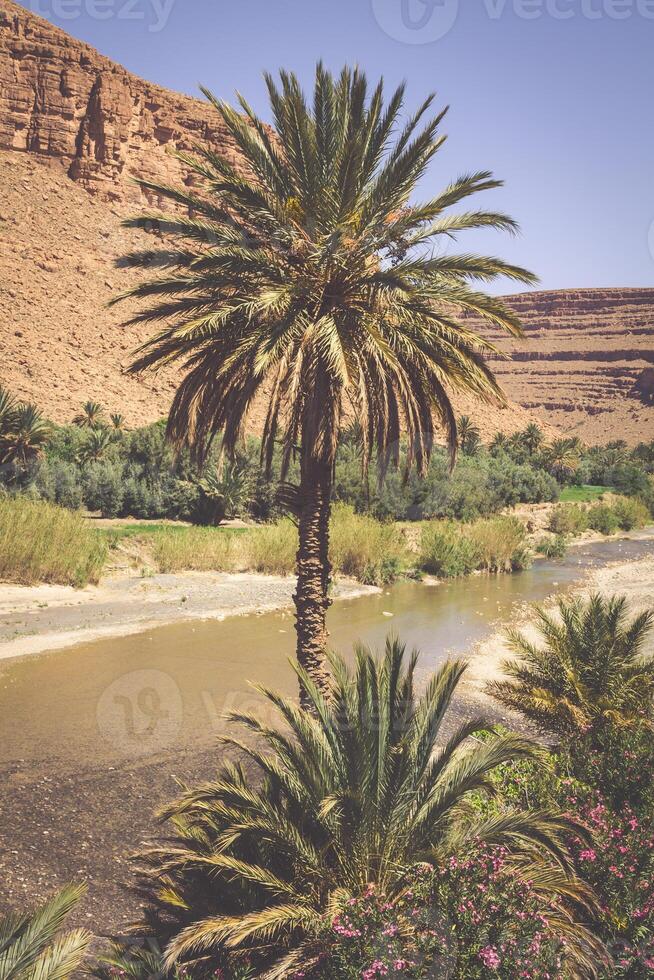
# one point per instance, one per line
(75, 128)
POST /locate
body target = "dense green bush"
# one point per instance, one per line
(603, 518)
(445, 551)
(555, 547)
(568, 519)
(630, 513)
(496, 544)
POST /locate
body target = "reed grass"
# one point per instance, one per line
(366, 549)
(40, 542)
(495, 544)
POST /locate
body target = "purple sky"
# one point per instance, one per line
(555, 96)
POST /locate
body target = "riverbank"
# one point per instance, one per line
(38, 618)
(633, 579)
(132, 599)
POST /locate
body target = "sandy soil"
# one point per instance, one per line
(47, 617)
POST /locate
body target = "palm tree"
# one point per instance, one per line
(499, 443)
(469, 436)
(588, 671)
(7, 412)
(356, 788)
(562, 458)
(96, 445)
(532, 438)
(226, 492)
(117, 421)
(32, 946)
(91, 417)
(306, 277)
(29, 433)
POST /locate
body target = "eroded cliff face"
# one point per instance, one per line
(70, 106)
(586, 362)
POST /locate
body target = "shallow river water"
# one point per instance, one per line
(164, 692)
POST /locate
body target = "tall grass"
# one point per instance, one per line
(364, 548)
(271, 548)
(40, 542)
(195, 549)
(496, 544)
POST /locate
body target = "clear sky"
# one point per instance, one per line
(555, 96)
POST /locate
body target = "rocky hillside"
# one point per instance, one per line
(586, 364)
(75, 128)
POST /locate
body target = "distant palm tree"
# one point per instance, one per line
(117, 421)
(308, 277)
(469, 436)
(589, 671)
(357, 788)
(92, 416)
(562, 458)
(27, 436)
(96, 445)
(32, 946)
(532, 438)
(7, 411)
(499, 442)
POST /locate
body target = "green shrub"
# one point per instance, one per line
(631, 513)
(500, 544)
(555, 547)
(603, 518)
(364, 548)
(104, 488)
(446, 551)
(40, 542)
(568, 519)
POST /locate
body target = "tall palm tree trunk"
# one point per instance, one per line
(313, 571)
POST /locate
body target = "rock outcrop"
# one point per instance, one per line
(75, 109)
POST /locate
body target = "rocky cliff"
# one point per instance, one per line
(586, 362)
(68, 105)
(75, 128)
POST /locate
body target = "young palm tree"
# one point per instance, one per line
(356, 788)
(532, 438)
(469, 436)
(98, 442)
(589, 671)
(32, 946)
(28, 434)
(7, 412)
(310, 278)
(117, 421)
(91, 417)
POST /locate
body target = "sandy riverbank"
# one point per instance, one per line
(634, 579)
(34, 619)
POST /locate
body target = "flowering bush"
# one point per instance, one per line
(468, 919)
(619, 865)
